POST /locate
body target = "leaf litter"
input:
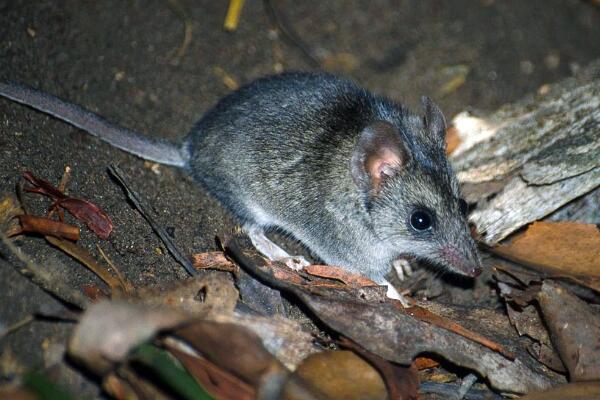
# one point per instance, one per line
(226, 333)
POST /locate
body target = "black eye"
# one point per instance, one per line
(421, 220)
(463, 206)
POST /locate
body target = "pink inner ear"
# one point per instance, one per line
(385, 163)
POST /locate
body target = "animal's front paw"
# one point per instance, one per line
(402, 268)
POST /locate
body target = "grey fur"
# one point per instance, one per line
(277, 153)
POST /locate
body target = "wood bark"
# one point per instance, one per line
(529, 159)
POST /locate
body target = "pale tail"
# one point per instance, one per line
(163, 152)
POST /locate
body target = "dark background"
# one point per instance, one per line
(116, 58)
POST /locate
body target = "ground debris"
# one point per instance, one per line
(381, 328)
(532, 157)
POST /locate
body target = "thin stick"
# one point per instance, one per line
(127, 286)
(289, 34)
(144, 209)
(17, 325)
(181, 13)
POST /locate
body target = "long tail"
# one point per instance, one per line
(160, 151)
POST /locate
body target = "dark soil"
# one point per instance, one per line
(116, 58)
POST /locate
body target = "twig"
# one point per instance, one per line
(289, 34)
(465, 385)
(85, 257)
(144, 209)
(180, 11)
(44, 279)
(127, 286)
(17, 325)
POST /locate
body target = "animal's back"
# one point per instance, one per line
(276, 137)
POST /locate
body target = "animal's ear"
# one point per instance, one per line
(378, 155)
(435, 123)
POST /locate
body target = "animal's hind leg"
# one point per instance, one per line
(271, 250)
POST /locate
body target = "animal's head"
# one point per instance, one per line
(411, 192)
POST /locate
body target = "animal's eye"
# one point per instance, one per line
(421, 220)
(463, 206)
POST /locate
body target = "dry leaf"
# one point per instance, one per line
(342, 375)
(426, 315)
(89, 213)
(568, 248)
(574, 329)
(425, 363)
(234, 348)
(218, 382)
(332, 272)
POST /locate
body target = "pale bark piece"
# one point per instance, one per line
(535, 155)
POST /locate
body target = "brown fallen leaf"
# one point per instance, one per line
(16, 393)
(568, 248)
(574, 329)
(126, 285)
(234, 348)
(46, 226)
(89, 213)
(401, 382)
(341, 375)
(332, 272)
(42, 186)
(216, 381)
(118, 387)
